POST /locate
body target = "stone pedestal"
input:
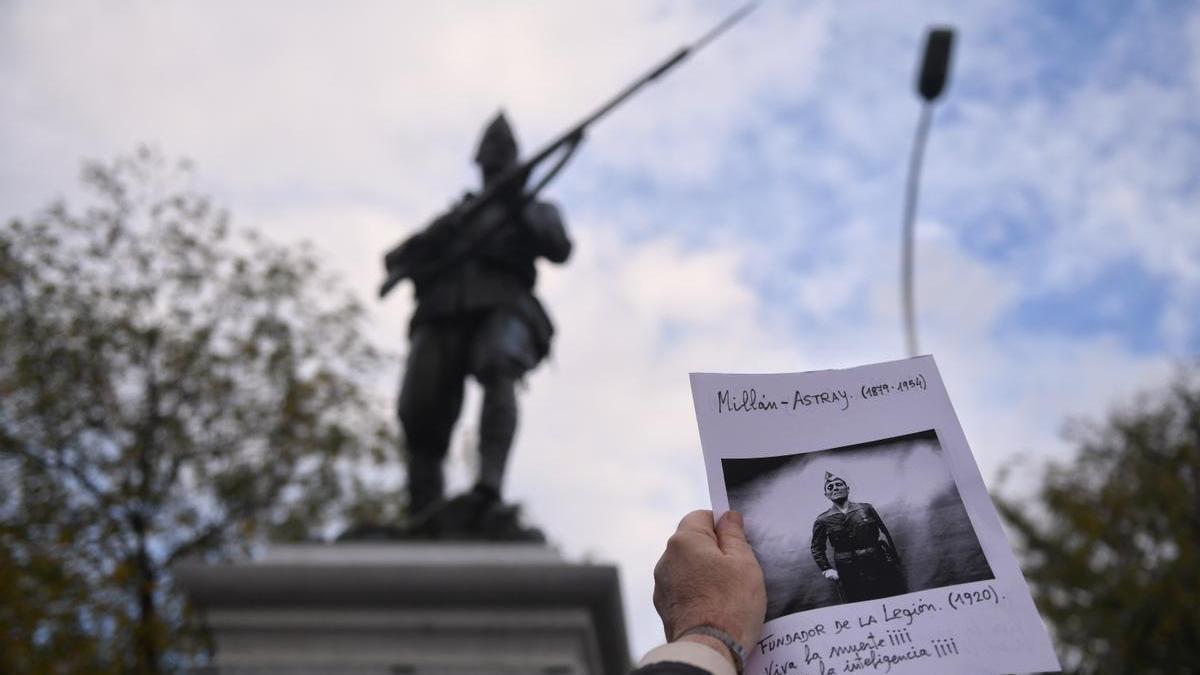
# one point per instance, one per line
(411, 609)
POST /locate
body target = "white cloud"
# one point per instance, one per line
(754, 225)
(609, 458)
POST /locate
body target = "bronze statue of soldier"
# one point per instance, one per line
(473, 272)
(476, 316)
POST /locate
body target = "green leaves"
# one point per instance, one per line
(1112, 543)
(168, 389)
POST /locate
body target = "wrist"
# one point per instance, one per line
(727, 645)
(710, 642)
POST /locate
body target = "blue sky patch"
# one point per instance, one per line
(1124, 300)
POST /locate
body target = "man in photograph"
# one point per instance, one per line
(866, 563)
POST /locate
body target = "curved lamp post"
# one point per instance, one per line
(935, 66)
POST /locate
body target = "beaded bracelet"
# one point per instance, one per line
(735, 649)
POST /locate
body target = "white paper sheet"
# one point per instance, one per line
(955, 602)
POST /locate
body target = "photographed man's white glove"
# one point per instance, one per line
(831, 575)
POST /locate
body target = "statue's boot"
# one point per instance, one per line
(425, 493)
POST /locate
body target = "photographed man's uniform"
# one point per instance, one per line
(867, 566)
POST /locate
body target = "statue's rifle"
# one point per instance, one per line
(403, 262)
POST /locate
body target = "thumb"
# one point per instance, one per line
(731, 532)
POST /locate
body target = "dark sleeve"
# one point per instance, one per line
(441, 230)
(422, 245)
(817, 549)
(549, 235)
(883, 528)
(670, 668)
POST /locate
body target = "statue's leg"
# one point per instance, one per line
(497, 427)
(501, 354)
(430, 400)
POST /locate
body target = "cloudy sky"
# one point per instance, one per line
(741, 215)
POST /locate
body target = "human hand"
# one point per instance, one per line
(709, 576)
(831, 575)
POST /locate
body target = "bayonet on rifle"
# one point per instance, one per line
(399, 262)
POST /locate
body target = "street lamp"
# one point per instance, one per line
(931, 81)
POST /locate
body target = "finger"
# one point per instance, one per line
(700, 522)
(700, 519)
(731, 533)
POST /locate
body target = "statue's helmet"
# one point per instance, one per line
(498, 146)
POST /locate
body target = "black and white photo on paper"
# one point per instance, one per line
(855, 523)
